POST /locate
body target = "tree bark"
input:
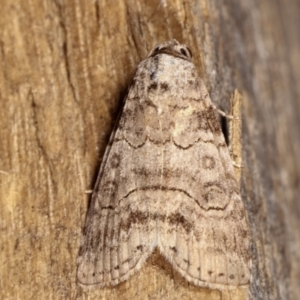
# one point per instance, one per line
(65, 68)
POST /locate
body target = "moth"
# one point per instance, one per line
(167, 182)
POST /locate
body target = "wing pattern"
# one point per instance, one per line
(167, 182)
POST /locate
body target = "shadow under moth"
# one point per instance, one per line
(167, 182)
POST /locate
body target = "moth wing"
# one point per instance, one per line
(114, 244)
(205, 234)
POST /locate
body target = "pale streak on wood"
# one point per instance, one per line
(235, 133)
(83, 50)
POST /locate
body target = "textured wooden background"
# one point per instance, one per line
(64, 69)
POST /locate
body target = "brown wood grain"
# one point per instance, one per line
(65, 67)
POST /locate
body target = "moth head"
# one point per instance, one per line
(172, 48)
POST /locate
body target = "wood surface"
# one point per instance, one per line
(64, 71)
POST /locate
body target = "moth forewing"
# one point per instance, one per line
(167, 182)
